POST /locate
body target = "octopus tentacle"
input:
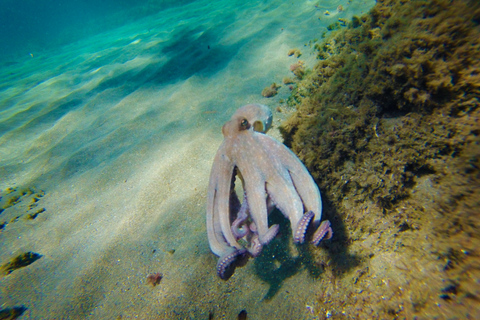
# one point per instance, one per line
(306, 188)
(227, 264)
(302, 227)
(324, 231)
(223, 204)
(256, 247)
(221, 242)
(291, 187)
(239, 227)
(214, 232)
(271, 233)
(283, 194)
(257, 205)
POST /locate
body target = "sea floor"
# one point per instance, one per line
(106, 147)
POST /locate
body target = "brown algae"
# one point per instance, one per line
(32, 216)
(388, 123)
(270, 91)
(11, 202)
(12, 313)
(15, 202)
(20, 261)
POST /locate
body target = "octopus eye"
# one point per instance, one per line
(244, 124)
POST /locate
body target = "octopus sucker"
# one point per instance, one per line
(271, 176)
(302, 227)
(227, 264)
(324, 231)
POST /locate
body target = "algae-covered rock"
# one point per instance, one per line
(362, 81)
(388, 123)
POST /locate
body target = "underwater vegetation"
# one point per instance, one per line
(12, 313)
(270, 91)
(17, 202)
(294, 52)
(298, 69)
(288, 80)
(32, 216)
(368, 92)
(20, 261)
(388, 124)
(154, 278)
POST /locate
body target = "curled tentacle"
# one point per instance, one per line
(239, 230)
(239, 226)
(323, 231)
(256, 247)
(302, 227)
(227, 264)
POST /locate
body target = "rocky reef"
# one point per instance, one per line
(388, 123)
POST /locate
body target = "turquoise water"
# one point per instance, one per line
(118, 129)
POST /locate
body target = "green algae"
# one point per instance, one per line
(9, 190)
(294, 52)
(298, 69)
(33, 216)
(387, 122)
(362, 81)
(288, 80)
(20, 261)
(270, 91)
(11, 202)
(14, 196)
(16, 202)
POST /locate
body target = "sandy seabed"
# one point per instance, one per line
(113, 138)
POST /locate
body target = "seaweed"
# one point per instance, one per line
(11, 202)
(388, 124)
(154, 278)
(15, 195)
(20, 261)
(288, 80)
(294, 52)
(32, 216)
(270, 91)
(17, 200)
(298, 69)
(391, 65)
(12, 313)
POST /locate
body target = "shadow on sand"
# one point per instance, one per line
(277, 262)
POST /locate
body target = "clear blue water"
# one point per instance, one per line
(39, 25)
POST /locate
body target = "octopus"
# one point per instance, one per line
(272, 177)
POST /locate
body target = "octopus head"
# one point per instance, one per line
(255, 117)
